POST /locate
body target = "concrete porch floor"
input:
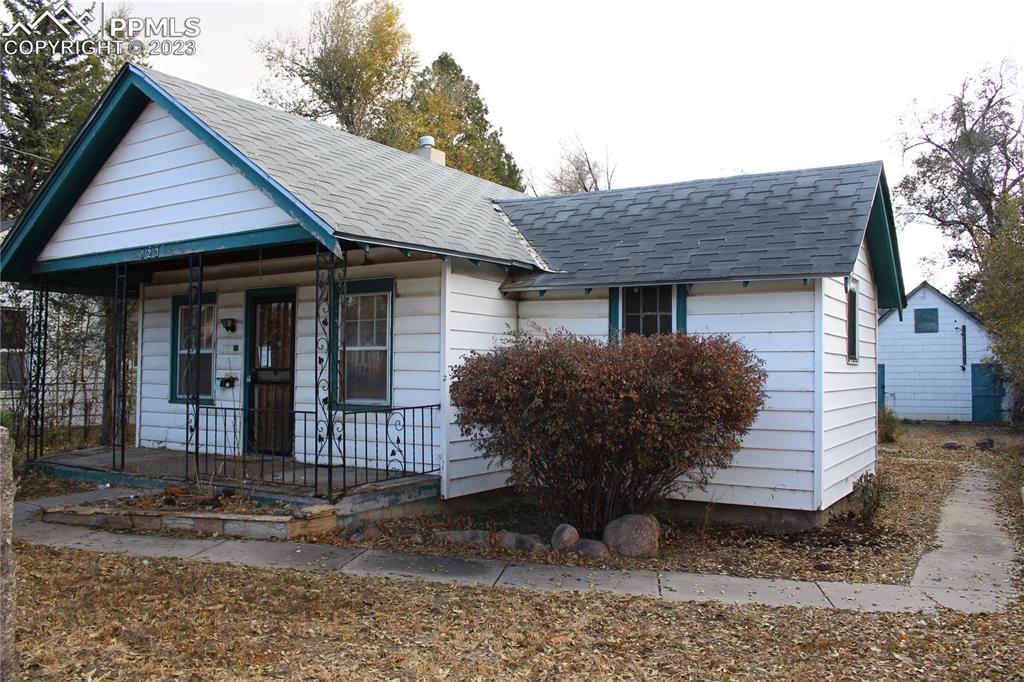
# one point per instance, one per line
(273, 477)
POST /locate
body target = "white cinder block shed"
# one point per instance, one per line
(935, 363)
(304, 292)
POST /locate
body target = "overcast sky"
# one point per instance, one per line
(675, 90)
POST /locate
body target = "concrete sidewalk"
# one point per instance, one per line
(970, 572)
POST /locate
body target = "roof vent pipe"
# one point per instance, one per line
(428, 151)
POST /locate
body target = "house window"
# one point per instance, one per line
(852, 324)
(926, 320)
(647, 310)
(13, 323)
(365, 367)
(205, 342)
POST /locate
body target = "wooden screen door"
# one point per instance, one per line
(270, 351)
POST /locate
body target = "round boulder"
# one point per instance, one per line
(591, 549)
(564, 537)
(633, 535)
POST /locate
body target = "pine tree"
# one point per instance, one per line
(45, 99)
(446, 104)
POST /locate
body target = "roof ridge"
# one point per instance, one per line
(618, 190)
(147, 71)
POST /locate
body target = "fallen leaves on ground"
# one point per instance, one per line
(32, 485)
(844, 550)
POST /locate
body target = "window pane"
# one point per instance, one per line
(365, 333)
(12, 370)
(665, 299)
(209, 326)
(665, 324)
(851, 324)
(204, 371)
(381, 332)
(650, 325)
(185, 326)
(926, 320)
(380, 306)
(632, 324)
(633, 301)
(351, 332)
(12, 328)
(365, 307)
(366, 375)
(650, 296)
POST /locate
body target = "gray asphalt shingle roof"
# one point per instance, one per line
(801, 223)
(362, 189)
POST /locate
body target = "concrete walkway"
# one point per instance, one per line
(970, 571)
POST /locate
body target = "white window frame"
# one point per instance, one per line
(388, 349)
(182, 353)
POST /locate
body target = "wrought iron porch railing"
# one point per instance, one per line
(284, 447)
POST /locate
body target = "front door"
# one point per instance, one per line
(986, 394)
(270, 358)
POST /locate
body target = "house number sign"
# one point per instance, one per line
(149, 252)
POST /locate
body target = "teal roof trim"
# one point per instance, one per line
(884, 250)
(103, 129)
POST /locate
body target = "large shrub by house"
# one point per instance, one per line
(598, 430)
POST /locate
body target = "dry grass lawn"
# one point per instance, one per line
(32, 485)
(87, 616)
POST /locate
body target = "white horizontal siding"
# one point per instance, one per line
(572, 311)
(849, 398)
(478, 318)
(924, 378)
(775, 320)
(161, 184)
(416, 360)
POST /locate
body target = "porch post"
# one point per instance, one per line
(324, 379)
(120, 364)
(35, 411)
(194, 303)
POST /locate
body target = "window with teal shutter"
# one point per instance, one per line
(926, 320)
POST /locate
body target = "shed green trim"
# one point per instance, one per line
(176, 303)
(884, 251)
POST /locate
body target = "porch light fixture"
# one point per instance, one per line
(229, 324)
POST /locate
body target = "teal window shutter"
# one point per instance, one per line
(613, 313)
(681, 290)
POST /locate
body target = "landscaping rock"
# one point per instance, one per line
(591, 549)
(470, 538)
(517, 542)
(951, 445)
(564, 537)
(985, 444)
(633, 535)
(415, 539)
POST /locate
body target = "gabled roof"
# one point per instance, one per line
(336, 185)
(925, 284)
(801, 223)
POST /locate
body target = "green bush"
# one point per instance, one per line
(888, 425)
(597, 430)
(871, 492)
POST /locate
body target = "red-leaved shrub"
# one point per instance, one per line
(598, 430)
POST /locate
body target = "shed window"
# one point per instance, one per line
(204, 341)
(647, 310)
(852, 324)
(365, 368)
(13, 323)
(926, 320)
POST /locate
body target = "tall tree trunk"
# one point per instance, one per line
(8, 654)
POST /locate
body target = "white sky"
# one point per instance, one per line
(675, 91)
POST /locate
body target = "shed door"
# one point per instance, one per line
(881, 385)
(986, 393)
(271, 350)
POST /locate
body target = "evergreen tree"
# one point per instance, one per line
(446, 104)
(45, 98)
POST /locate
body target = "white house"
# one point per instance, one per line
(935, 363)
(242, 228)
